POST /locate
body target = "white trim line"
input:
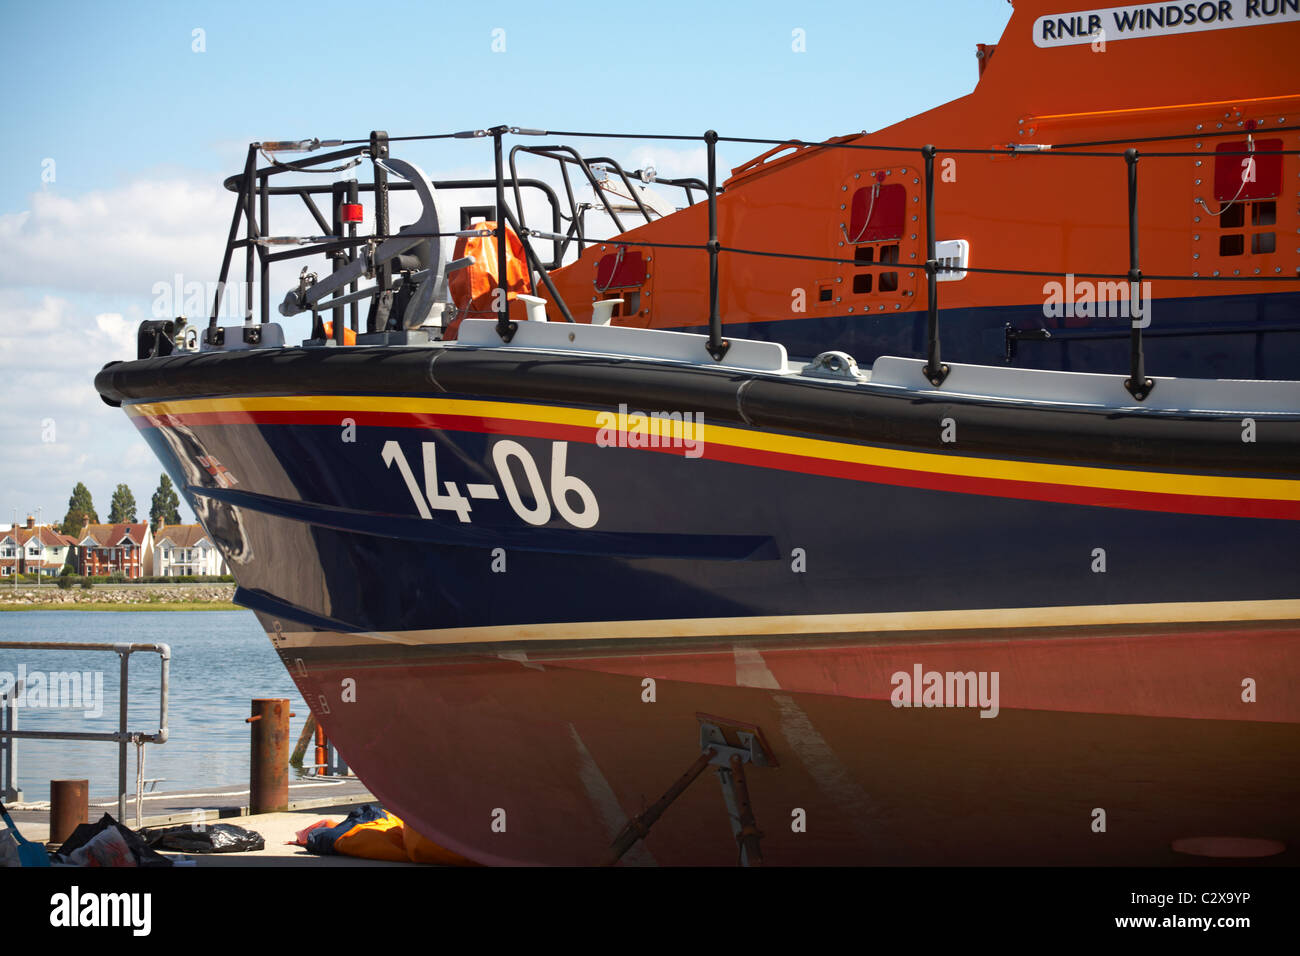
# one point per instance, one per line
(887, 621)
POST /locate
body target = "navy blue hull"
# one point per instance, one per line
(687, 538)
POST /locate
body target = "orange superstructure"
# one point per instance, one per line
(1228, 87)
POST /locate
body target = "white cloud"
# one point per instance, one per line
(115, 241)
(118, 331)
(50, 350)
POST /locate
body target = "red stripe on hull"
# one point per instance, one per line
(876, 474)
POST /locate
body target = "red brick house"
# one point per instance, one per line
(125, 549)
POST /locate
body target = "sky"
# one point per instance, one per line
(121, 119)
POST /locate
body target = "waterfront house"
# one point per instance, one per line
(9, 548)
(35, 550)
(45, 551)
(186, 549)
(125, 549)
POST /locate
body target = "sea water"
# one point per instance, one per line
(220, 661)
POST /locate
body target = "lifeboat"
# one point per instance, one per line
(901, 498)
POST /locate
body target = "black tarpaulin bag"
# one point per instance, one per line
(85, 832)
(207, 838)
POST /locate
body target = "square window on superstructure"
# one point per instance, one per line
(1233, 245)
(1263, 242)
(1263, 213)
(889, 280)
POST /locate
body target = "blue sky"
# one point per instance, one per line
(141, 128)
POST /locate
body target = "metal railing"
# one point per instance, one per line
(121, 736)
(9, 791)
(254, 181)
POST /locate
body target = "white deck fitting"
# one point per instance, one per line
(1228, 396)
(625, 342)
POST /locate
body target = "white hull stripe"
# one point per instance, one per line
(1200, 612)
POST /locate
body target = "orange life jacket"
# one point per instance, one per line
(349, 337)
(473, 288)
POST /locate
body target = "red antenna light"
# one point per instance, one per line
(350, 212)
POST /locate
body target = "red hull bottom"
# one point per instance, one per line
(562, 749)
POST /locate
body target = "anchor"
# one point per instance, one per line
(414, 251)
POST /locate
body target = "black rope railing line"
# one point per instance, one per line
(1202, 134)
(517, 130)
(327, 245)
(409, 139)
(919, 266)
(1011, 149)
(362, 240)
(594, 162)
(1225, 152)
(678, 137)
(1153, 277)
(1014, 149)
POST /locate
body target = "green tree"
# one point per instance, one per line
(123, 505)
(81, 509)
(165, 506)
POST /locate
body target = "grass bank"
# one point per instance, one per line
(115, 606)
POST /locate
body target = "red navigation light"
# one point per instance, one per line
(350, 212)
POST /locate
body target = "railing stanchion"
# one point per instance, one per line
(250, 252)
(383, 273)
(717, 345)
(1137, 383)
(935, 370)
(354, 310)
(214, 335)
(124, 652)
(9, 790)
(264, 278)
(338, 197)
(505, 328)
(536, 264)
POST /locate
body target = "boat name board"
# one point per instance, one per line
(1143, 21)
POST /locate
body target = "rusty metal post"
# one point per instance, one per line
(639, 826)
(69, 807)
(321, 756)
(269, 755)
(749, 833)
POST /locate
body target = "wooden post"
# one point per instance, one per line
(299, 751)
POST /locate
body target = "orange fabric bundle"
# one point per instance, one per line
(372, 833)
(473, 288)
(349, 337)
